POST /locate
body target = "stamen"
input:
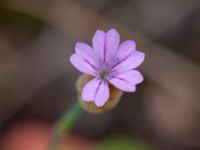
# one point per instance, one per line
(103, 74)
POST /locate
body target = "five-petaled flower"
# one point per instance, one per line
(110, 63)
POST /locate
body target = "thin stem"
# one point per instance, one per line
(65, 123)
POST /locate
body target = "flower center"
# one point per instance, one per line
(103, 74)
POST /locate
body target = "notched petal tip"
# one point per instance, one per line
(81, 46)
(113, 33)
(98, 33)
(78, 43)
(125, 49)
(140, 57)
(131, 43)
(98, 103)
(112, 30)
(71, 59)
(138, 77)
(142, 54)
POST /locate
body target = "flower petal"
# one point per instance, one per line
(130, 62)
(123, 84)
(112, 44)
(132, 76)
(82, 65)
(103, 94)
(98, 42)
(97, 91)
(90, 90)
(125, 49)
(86, 52)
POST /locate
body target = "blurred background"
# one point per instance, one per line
(37, 82)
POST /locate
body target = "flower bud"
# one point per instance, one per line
(115, 96)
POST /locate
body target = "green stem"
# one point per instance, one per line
(65, 123)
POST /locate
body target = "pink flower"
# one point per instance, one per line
(107, 61)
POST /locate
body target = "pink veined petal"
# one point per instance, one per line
(125, 49)
(82, 65)
(98, 42)
(122, 84)
(112, 44)
(86, 52)
(130, 62)
(102, 94)
(97, 91)
(90, 90)
(132, 76)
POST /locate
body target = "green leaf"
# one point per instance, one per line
(122, 143)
